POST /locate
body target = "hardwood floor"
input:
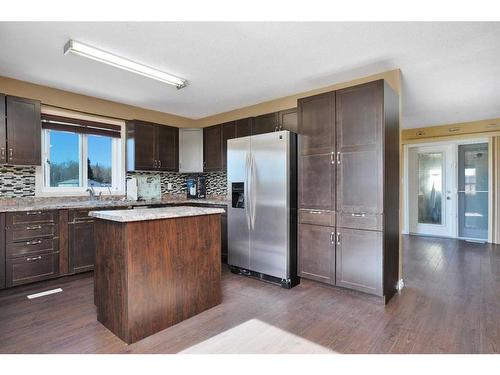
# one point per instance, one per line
(451, 304)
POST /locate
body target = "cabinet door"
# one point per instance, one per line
(31, 268)
(3, 129)
(212, 148)
(265, 123)
(359, 260)
(168, 148)
(81, 246)
(244, 127)
(316, 182)
(223, 233)
(145, 146)
(288, 120)
(2, 250)
(228, 132)
(359, 141)
(316, 253)
(317, 124)
(24, 131)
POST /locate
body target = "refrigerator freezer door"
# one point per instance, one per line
(238, 231)
(270, 203)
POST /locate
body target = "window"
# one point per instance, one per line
(77, 157)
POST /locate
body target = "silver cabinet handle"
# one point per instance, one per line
(33, 212)
(358, 214)
(338, 238)
(331, 238)
(338, 157)
(29, 259)
(11, 153)
(2, 151)
(315, 212)
(154, 163)
(36, 242)
(31, 227)
(332, 157)
(159, 163)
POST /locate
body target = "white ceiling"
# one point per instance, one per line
(451, 71)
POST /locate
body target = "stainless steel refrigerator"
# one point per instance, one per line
(262, 216)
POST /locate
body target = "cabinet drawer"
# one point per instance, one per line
(32, 247)
(317, 217)
(28, 232)
(27, 217)
(80, 215)
(360, 221)
(33, 268)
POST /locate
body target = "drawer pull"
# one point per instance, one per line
(36, 242)
(358, 214)
(32, 227)
(29, 259)
(33, 212)
(315, 212)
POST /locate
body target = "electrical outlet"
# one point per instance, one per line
(169, 186)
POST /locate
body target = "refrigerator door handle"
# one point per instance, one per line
(252, 189)
(247, 189)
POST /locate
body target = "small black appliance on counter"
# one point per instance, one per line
(196, 187)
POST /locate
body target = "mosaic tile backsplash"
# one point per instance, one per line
(216, 182)
(17, 182)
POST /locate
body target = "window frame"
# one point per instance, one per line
(117, 168)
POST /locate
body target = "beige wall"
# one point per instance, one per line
(393, 77)
(87, 104)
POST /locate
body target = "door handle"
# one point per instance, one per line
(33, 212)
(338, 157)
(2, 151)
(36, 242)
(338, 238)
(315, 212)
(159, 163)
(358, 214)
(11, 153)
(331, 238)
(332, 157)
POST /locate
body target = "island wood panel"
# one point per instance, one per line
(153, 274)
(63, 242)
(2, 251)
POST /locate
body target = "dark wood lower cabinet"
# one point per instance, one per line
(359, 260)
(317, 253)
(81, 246)
(31, 268)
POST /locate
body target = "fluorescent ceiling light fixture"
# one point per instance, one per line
(108, 58)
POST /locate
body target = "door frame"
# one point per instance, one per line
(454, 143)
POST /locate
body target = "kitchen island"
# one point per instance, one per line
(155, 267)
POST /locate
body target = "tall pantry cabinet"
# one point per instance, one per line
(348, 232)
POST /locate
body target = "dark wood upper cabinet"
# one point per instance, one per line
(3, 131)
(317, 124)
(152, 147)
(359, 115)
(244, 127)
(228, 132)
(168, 148)
(288, 120)
(24, 131)
(212, 148)
(265, 123)
(316, 182)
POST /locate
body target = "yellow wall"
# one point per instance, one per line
(87, 104)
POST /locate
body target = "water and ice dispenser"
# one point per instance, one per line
(238, 194)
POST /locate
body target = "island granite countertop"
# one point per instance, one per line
(144, 214)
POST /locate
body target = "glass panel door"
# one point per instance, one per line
(473, 183)
(430, 187)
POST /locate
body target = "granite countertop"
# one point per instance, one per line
(144, 214)
(30, 204)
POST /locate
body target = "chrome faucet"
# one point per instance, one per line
(91, 192)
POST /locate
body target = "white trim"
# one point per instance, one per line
(406, 211)
(117, 177)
